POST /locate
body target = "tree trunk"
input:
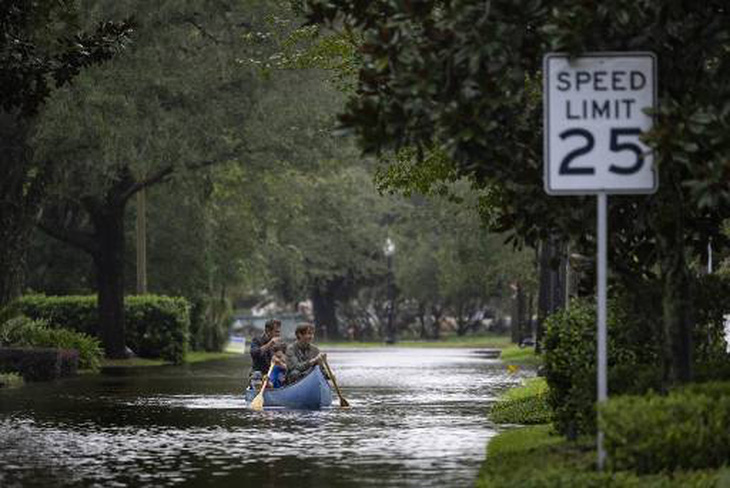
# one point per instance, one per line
(14, 232)
(109, 260)
(551, 294)
(676, 311)
(518, 312)
(677, 302)
(543, 295)
(530, 329)
(422, 320)
(22, 186)
(324, 308)
(521, 326)
(436, 312)
(462, 324)
(558, 267)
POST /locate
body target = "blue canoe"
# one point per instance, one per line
(311, 392)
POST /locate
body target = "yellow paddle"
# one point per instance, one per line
(343, 403)
(258, 402)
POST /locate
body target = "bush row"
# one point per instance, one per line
(570, 363)
(39, 363)
(155, 326)
(534, 456)
(23, 332)
(687, 429)
(633, 358)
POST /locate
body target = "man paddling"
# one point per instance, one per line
(302, 355)
(262, 348)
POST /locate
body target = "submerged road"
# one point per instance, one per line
(417, 419)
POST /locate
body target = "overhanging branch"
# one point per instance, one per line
(163, 174)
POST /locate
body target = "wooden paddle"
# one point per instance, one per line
(258, 402)
(343, 403)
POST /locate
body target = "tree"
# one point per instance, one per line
(41, 49)
(328, 243)
(451, 263)
(171, 105)
(460, 78)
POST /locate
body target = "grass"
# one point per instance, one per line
(489, 341)
(190, 358)
(131, 362)
(530, 387)
(517, 456)
(535, 457)
(526, 404)
(201, 356)
(520, 356)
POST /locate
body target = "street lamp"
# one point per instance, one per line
(389, 251)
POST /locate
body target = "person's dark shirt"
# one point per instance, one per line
(261, 359)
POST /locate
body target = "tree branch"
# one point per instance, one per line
(164, 173)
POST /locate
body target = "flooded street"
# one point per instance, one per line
(417, 419)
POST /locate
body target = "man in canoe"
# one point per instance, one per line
(262, 348)
(302, 355)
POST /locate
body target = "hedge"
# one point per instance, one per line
(533, 457)
(570, 363)
(155, 326)
(687, 429)
(39, 364)
(634, 366)
(158, 326)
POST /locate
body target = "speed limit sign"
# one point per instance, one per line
(595, 112)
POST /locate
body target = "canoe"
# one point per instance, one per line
(311, 392)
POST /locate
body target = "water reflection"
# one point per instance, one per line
(417, 419)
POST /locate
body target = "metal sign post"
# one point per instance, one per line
(602, 234)
(594, 116)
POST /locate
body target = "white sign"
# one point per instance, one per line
(594, 114)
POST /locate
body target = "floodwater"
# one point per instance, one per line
(417, 418)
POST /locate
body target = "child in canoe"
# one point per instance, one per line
(278, 374)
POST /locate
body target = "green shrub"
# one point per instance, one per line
(687, 429)
(565, 477)
(570, 363)
(39, 363)
(523, 405)
(158, 326)
(533, 457)
(155, 326)
(70, 312)
(634, 344)
(25, 332)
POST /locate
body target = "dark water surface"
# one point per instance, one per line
(417, 419)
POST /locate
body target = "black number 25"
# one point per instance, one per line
(567, 169)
